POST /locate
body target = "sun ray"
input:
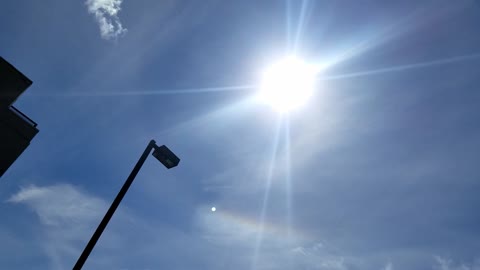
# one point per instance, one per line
(403, 67)
(300, 25)
(288, 181)
(288, 24)
(373, 39)
(263, 212)
(153, 92)
(224, 112)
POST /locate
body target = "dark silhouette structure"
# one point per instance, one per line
(165, 156)
(16, 129)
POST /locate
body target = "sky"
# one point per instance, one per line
(378, 170)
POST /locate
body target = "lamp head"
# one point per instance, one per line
(165, 156)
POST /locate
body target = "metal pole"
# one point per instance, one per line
(103, 224)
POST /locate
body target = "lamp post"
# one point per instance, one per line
(165, 156)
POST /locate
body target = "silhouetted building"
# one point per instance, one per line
(16, 129)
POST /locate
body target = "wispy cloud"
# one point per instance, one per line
(389, 266)
(59, 204)
(443, 263)
(106, 14)
(67, 215)
(319, 256)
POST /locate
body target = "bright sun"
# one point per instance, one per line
(287, 84)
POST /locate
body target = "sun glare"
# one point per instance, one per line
(287, 84)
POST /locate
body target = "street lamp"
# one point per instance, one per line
(165, 156)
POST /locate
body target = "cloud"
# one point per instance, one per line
(67, 215)
(447, 264)
(325, 256)
(319, 256)
(389, 266)
(58, 205)
(106, 14)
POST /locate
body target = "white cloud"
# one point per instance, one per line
(106, 14)
(319, 256)
(389, 266)
(447, 264)
(58, 205)
(67, 216)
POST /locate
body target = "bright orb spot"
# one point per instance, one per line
(214, 209)
(287, 84)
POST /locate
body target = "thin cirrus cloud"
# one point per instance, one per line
(71, 205)
(443, 263)
(106, 14)
(67, 216)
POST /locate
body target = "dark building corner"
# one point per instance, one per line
(16, 129)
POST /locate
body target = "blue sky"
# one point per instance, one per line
(379, 170)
